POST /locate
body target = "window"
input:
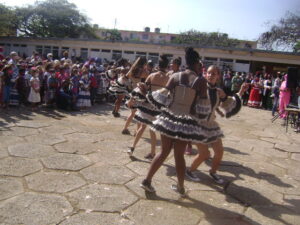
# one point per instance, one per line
(84, 53)
(242, 61)
(24, 46)
(210, 59)
(128, 52)
(173, 38)
(16, 45)
(141, 53)
(55, 52)
(47, 49)
(226, 60)
(153, 54)
(116, 55)
(95, 50)
(145, 36)
(39, 49)
(106, 50)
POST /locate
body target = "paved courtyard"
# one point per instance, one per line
(72, 169)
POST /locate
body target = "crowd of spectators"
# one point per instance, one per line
(54, 83)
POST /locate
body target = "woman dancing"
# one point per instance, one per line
(146, 112)
(178, 120)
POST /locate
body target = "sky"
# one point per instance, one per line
(242, 19)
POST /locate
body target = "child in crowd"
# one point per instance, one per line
(34, 96)
(84, 97)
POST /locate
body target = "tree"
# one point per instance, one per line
(113, 35)
(214, 39)
(53, 18)
(284, 35)
(297, 47)
(7, 21)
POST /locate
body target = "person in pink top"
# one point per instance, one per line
(284, 97)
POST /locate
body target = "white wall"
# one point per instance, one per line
(241, 67)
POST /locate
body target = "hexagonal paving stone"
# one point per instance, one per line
(18, 167)
(284, 163)
(109, 156)
(254, 194)
(162, 186)
(271, 151)
(275, 215)
(10, 140)
(288, 147)
(83, 137)
(142, 167)
(77, 147)
(213, 204)
(63, 161)
(257, 143)
(20, 131)
(3, 151)
(29, 150)
(296, 156)
(108, 174)
(10, 187)
(284, 185)
(292, 202)
(103, 197)
(45, 139)
(34, 209)
(54, 181)
(225, 221)
(160, 212)
(96, 218)
(57, 129)
(265, 169)
(32, 124)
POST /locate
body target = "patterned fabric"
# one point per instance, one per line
(120, 86)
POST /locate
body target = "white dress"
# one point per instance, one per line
(34, 97)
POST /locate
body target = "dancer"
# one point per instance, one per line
(217, 101)
(146, 112)
(137, 73)
(175, 66)
(178, 121)
(120, 88)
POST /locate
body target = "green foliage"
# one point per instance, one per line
(113, 35)
(53, 18)
(7, 21)
(214, 39)
(297, 47)
(285, 34)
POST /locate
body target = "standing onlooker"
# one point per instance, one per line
(34, 95)
(237, 82)
(84, 97)
(266, 99)
(6, 84)
(93, 84)
(255, 93)
(275, 94)
(52, 86)
(284, 97)
(21, 86)
(227, 83)
(246, 95)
